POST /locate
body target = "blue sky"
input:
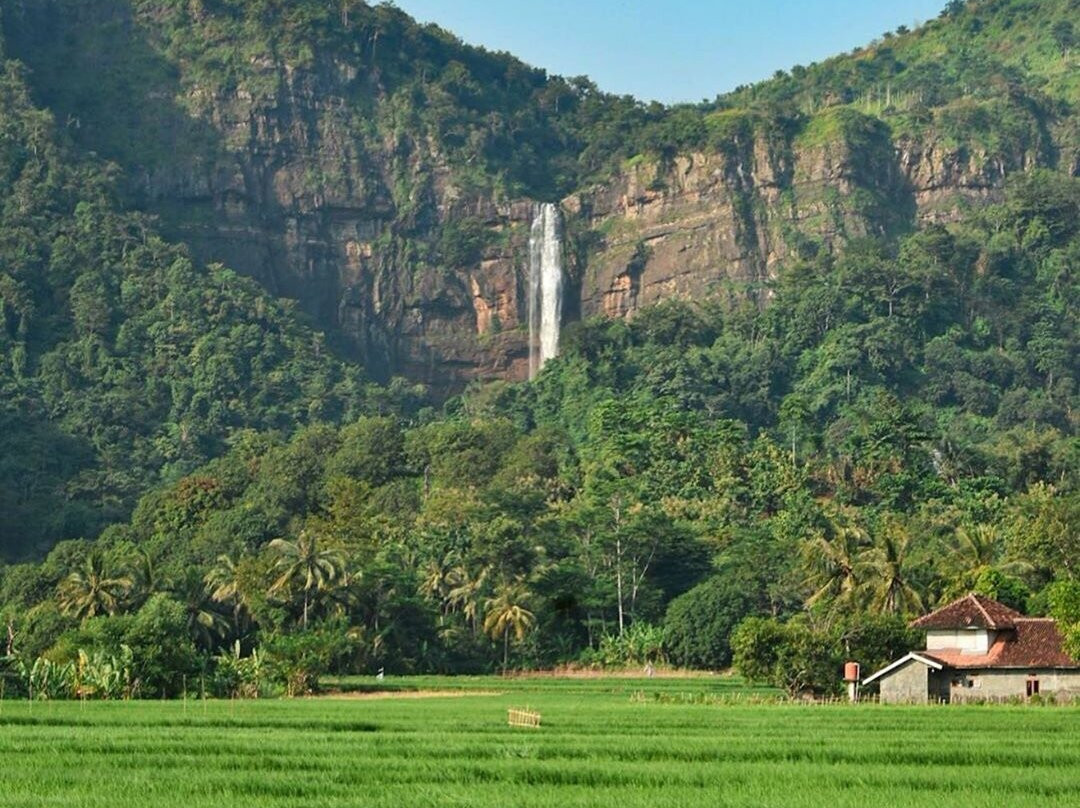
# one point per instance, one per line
(671, 50)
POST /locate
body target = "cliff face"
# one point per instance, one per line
(726, 220)
(293, 199)
(314, 176)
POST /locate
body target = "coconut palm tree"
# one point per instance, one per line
(466, 592)
(205, 624)
(980, 546)
(439, 580)
(886, 569)
(976, 550)
(225, 583)
(304, 563)
(143, 579)
(977, 546)
(506, 613)
(833, 564)
(93, 589)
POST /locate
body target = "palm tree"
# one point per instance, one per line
(886, 569)
(439, 580)
(466, 592)
(226, 585)
(93, 590)
(834, 564)
(144, 579)
(506, 613)
(303, 562)
(977, 546)
(977, 549)
(205, 624)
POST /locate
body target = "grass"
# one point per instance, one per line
(625, 742)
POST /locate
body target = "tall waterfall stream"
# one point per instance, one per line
(545, 285)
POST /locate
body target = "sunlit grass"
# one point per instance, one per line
(622, 742)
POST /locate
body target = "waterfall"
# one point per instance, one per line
(545, 285)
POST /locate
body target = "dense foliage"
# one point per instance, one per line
(989, 73)
(896, 428)
(123, 363)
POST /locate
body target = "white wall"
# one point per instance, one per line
(969, 641)
(1001, 684)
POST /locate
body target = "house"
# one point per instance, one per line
(980, 650)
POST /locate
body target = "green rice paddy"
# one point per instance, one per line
(618, 742)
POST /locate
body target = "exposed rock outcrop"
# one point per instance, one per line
(301, 176)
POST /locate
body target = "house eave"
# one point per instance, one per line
(985, 667)
(928, 661)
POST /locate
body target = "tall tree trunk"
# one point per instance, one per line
(506, 648)
(618, 580)
(305, 608)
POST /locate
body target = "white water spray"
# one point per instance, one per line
(545, 285)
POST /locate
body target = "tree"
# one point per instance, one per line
(93, 589)
(144, 578)
(440, 577)
(874, 640)
(225, 582)
(887, 569)
(977, 546)
(303, 563)
(1004, 588)
(1043, 530)
(506, 613)
(698, 624)
(205, 625)
(797, 656)
(1064, 35)
(953, 8)
(298, 660)
(467, 592)
(834, 564)
(165, 657)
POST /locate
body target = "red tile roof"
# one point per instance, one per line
(1034, 643)
(972, 611)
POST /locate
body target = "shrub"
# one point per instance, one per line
(796, 656)
(236, 676)
(640, 644)
(163, 654)
(297, 661)
(699, 623)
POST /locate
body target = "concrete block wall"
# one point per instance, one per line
(908, 684)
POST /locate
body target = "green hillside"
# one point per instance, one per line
(972, 71)
(887, 420)
(123, 363)
(892, 430)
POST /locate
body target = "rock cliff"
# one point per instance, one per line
(317, 174)
(703, 222)
(292, 199)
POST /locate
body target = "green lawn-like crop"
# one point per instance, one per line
(619, 742)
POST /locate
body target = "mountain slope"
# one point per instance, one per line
(122, 362)
(380, 172)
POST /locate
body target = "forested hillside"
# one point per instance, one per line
(122, 362)
(892, 430)
(832, 380)
(381, 172)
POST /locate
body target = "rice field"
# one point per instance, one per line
(620, 742)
